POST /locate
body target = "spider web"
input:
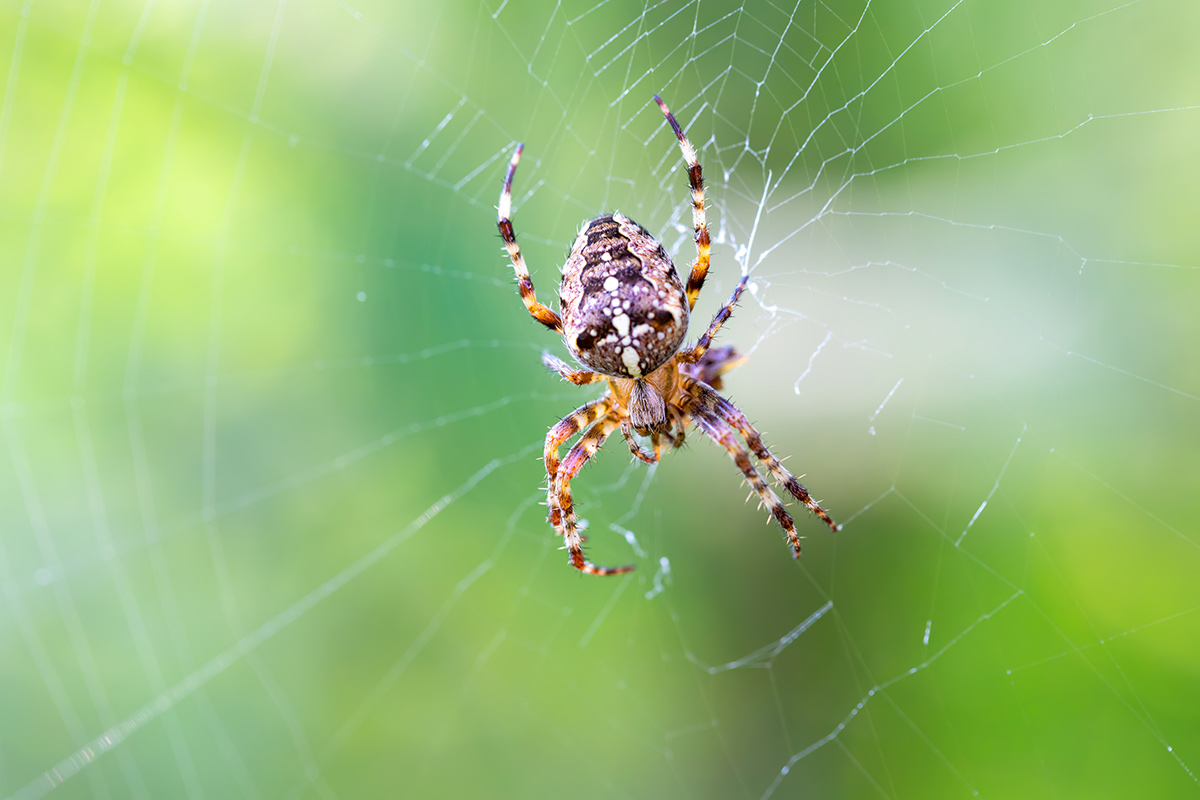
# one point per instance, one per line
(272, 410)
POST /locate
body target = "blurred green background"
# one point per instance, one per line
(272, 410)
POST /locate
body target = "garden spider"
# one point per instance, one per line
(624, 314)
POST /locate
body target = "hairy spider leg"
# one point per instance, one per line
(539, 311)
(583, 450)
(699, 221)
(567, 427)
(579, 377)
(722, 316)
(738, 421)
(720, 432)
(715, 362)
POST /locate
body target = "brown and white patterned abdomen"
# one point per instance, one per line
(623, 305)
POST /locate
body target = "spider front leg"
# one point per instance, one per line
(539, 311)
(583, 450)
(699, 221)
(567, 427)
(737, 420)
(720, 432)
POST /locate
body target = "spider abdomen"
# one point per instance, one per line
(624, 309)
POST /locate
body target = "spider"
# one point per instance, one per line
(624, 314)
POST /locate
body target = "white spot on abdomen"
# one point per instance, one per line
(629, 357)
(621, 323)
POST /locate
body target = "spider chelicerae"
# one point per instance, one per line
(624, 314)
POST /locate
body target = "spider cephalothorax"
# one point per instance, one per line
(624, 315)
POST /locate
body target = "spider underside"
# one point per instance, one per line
(624, 315)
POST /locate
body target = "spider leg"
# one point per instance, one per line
(696, 353)
(579, 377)
(635, 446)
(583, 450)
(715, 362)
(737, 420)
(720, 432)
(567, 427)
(696, 179)
(539, 311)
